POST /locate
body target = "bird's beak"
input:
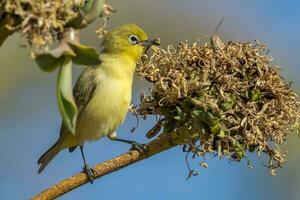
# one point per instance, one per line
(149, 42)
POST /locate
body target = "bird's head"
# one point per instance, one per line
(129, 40)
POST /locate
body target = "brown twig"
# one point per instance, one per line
(163, 142)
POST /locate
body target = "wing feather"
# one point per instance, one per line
(84, 88)
(83, 92)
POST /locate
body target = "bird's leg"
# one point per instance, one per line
(86, 169)
(134, 145)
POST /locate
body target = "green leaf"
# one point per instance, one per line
(254, 95)
(252, 148)
(215, 129)
(178, 118)
(206, 117)
(187, 104)
(51, 60)
(85, 55)
(238, 149)
(240, 153)
(199, 125)
(65, 98)
(179, 114)
(90, 10)
(229, 104)
(47, 62)
(222, 134)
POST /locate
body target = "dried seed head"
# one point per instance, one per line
(40, 22)
(227, 96)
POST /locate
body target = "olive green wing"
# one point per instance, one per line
(83, 92)
(84, 88)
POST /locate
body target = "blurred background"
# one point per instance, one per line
(30, 121)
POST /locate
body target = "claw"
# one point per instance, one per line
(90, 172)
(142, 148)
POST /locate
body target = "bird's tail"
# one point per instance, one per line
(49, 155)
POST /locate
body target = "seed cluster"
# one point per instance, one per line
(40, 21)
(225, 99)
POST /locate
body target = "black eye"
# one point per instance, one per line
(133, 39)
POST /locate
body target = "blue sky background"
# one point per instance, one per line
(29, 118)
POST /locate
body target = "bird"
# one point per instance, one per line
(103, 93)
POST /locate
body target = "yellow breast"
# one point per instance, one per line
(108, 107)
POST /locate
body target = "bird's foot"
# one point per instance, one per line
(90, 172)
(142, 148)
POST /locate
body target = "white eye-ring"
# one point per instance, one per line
(133, 39)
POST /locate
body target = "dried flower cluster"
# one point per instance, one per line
(40, 21)
(224, 99)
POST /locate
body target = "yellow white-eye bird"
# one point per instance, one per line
(103, 92)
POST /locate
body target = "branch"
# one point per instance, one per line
(164, 142)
